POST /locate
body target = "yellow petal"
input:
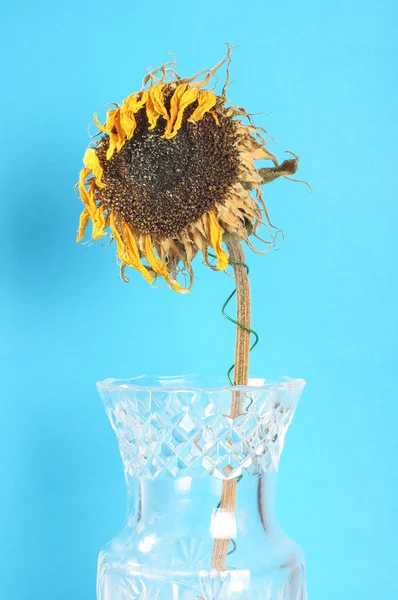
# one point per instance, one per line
(113, 137)
(156, 94)
(113, 140)
(128, 253)
(86, 197)
(128, 122)
(151, 114)
(96, 213)
(159, 267)
(206, 101)
(115, 130)
(121, 136)
(101, 128)
(110, 120)
(91, 162)
(120, 124)
(215, 235)
(83, 222)
(183, 96)
(155, 107)
(133, 103)
(99, 224)
(91, 205)
(83, 174)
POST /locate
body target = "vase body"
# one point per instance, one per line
(201, 522)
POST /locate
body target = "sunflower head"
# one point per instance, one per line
(171, 172)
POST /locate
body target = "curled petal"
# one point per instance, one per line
(113, 140)
(110, 120)
(83, 174)
(129, 108)
(86, 197)
(83, 222)
(91, 162)
(134, 103)
(101, 128)
(215, 235)
(155, 107)
(97, 216)
(206, 101)
(159, 267)
(121, 135)
(113, 137)
(211, 73)
(183, 96)
(99, 224)
(133, 254)
(128, 123)
(127, 249)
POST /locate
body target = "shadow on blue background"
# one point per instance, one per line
(325, 305)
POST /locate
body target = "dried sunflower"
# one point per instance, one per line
(172, 173)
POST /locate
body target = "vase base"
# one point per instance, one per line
(286, 583)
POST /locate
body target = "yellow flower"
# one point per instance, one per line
(172, 173)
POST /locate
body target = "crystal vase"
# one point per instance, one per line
(201, 522)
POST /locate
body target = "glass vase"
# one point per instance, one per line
(201, 521)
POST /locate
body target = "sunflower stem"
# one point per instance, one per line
(241, 377)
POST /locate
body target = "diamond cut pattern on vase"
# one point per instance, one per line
(187, 434)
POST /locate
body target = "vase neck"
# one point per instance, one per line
(191, 500)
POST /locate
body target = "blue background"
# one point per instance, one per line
(325, 75)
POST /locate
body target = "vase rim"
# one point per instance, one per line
(194, 382)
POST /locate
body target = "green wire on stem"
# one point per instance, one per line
(228, 300)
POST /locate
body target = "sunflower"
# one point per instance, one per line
(171, 173)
